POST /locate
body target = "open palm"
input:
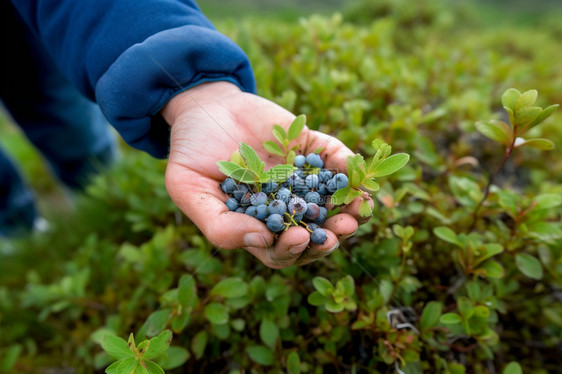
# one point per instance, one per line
(208, 122)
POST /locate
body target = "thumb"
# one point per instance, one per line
(202, 201)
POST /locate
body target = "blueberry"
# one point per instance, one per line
(314, 160)
(297, 206)
(277, 207)
(324, 175)
(240, 191)
(293, 178)
(300, 173)
(258, 199)
(298, 217)
(245, 200)
(252, 211)
(240, 210)
(299, 161)
(341, 181)
(275, 223)
(311, 181)
(318, 236)
(269, 187)
(312, 211)
(322, 190)
(331, 185)
(262, 212)
(314, 197)
(228, 185)
(322, 216)
(284, 194)
(232, 204)
(312, 226)
(300, 188)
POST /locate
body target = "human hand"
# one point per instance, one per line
(208, 121)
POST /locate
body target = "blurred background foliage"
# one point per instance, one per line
(121, 258)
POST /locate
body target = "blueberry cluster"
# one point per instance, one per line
(299, 200)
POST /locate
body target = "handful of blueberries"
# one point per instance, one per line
(299, 200)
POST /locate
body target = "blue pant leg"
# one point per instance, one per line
(17, 208)
(66, 127)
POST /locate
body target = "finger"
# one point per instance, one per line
(353, 208)
(286, 251)
(343, 225)
(317, 251)
(334, 152)
(198, 198)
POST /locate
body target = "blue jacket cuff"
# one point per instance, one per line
(146, 76)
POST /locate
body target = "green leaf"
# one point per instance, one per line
(347, 284)
(370, 184)
(127, 366)
(365, 209)
(279, 173)
(112, 369)
(333, 307)
(116, 347)
(473, 290)
(10, 357)
(216, 313)
(498, 131)
(157, 321)
(339, 196)
(291, 157)
(546, 112)
(323, 285)
(352, 195)
(539, 143)
(527, 115)
(489, 250)
(273, 148)
(186, 290)
(280, 134)
(526, 99)
(199, 343)
(296, 127)
(465, 307)
(447, 235)
(293, 363)
(430, 315)
(317, 299)
(391, 165)
(529, 265)
(251, 158)
(230, 287)
(491, 269)
(510, 97)
(260, 354)
(482, 311)
(237, 159)
(174, 358)
(547, 201)
(236, 172)
(512, 368)
(269, 333)
(158, 344)
(450, 318)
(228, 168)
(152, 367)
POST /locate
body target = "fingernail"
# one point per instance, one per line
(334, 247)
(254, 239)
(296, 249)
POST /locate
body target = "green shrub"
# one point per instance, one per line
(453, 273)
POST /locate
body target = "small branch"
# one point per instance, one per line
(508, 152)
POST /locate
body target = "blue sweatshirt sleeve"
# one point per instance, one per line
(133, 56)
